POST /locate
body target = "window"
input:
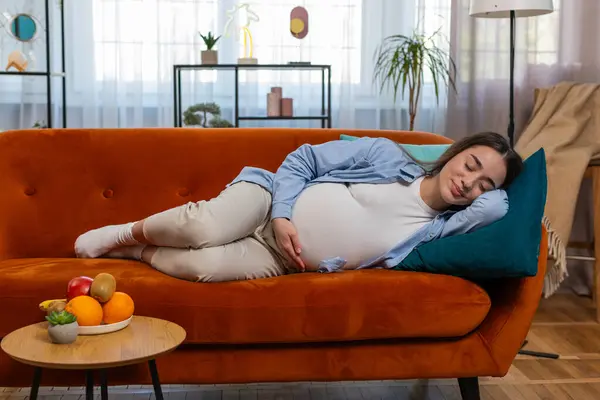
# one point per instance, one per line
(484, 44)
(138, 40)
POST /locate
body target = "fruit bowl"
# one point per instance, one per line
(102, 329)
(91, 301)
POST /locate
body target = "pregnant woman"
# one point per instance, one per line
(340, 205)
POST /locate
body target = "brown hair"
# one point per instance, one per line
(514, 162)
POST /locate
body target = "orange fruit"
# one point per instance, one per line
(87, 310)
(118, 308)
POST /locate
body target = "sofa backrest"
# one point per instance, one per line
(57, 184)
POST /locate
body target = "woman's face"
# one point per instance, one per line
(471, 173)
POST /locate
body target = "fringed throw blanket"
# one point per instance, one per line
(566, 123)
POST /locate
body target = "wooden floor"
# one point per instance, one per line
(564, 325)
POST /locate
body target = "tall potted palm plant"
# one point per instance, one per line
(401, 61)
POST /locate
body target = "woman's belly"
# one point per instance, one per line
(332, 223)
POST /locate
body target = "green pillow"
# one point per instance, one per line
(422, 152)
(507, 248)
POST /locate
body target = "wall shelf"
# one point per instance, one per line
(325, 116)
(48, 73)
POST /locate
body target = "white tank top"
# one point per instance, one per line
(357, 222)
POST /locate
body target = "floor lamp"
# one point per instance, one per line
(513, 9)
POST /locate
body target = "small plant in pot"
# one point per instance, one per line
(209, 56)
(62, 327)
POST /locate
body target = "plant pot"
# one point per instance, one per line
(210, 57)
(63, 334)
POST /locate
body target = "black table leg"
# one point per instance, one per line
(469, 388)
(155, 381)
(89, 385)
(35, 386)
(103, 385)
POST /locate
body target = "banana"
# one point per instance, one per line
(44, 305)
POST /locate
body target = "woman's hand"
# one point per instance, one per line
(287, 240)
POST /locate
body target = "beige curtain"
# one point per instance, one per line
(561, 46)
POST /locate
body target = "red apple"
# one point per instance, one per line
(79, 286)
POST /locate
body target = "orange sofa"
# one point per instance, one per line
(357, 325)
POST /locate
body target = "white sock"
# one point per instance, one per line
(100, 241)
(127, 253)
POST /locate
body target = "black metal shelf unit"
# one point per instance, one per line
(48, 72)
(324, 117)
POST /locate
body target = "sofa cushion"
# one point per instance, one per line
(507, 248)
(308, 307)
(426, 153)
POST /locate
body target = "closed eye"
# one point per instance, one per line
(480, 166)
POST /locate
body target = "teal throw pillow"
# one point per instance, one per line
(422, 152)
(507, 248)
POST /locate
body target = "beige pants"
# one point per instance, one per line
(227, 238)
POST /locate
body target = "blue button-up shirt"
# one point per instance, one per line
(368, 160)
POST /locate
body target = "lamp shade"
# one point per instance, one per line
(502, 8)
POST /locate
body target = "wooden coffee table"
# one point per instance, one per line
(143, 340)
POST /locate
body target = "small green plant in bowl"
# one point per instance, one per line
(62, 327)
(209, 56)
(61, 318)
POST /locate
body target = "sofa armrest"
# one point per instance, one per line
(514, 304)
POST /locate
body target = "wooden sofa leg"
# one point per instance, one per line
(469, 388)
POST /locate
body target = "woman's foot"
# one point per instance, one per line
(100, 241)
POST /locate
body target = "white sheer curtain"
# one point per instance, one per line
(481, 49)
(550, 48)
(133, 46)
(120, 57)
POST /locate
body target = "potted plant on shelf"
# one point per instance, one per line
(402, 60)
(40, 125)
(197, 115)
(62, 327)
(209, 56)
